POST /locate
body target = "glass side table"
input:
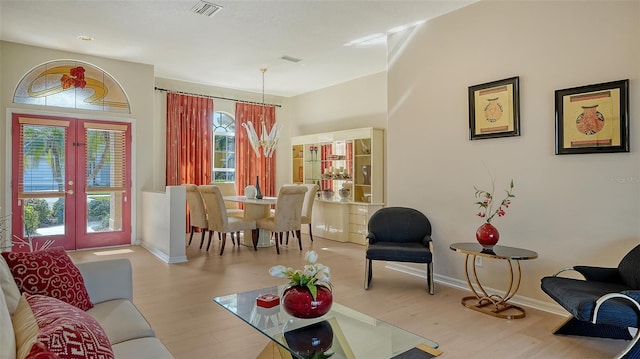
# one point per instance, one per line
(482, 301)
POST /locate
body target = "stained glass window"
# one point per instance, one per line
(72, 84)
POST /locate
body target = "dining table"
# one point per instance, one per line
(255, 209)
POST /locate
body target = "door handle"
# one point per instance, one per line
(69, 192)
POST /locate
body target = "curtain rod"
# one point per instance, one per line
(216, 97)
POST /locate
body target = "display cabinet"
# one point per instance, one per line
(348, 168)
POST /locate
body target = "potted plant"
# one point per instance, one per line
(487, 235)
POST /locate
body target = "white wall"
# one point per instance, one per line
(355, 104)
(571, 209)
(163, 223)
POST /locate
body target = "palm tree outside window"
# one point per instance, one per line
(224, 147)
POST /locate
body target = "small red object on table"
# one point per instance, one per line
(267, 300)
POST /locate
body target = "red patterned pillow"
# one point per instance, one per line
(49, 272)
(67, 331)
(40, 351)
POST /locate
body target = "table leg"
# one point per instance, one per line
(493, 304)
(255, 211)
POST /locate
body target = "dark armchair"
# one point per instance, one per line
(399, 234)
(605, 304)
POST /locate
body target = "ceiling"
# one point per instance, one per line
(229, 48)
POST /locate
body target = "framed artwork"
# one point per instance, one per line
(494, 109)
(593, 118)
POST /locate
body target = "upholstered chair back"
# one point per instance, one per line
(228, 189)
(307, 205)
(629, 268)
(398, 224)
(288, 212)
(197, 212)
(215, 207)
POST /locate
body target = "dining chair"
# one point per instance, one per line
(233, 208)
(287, 215)
(307, 207)
(229, 189)
(197, 212)
(222, 223)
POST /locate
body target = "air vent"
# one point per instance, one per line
(206, 8)
(291, 58)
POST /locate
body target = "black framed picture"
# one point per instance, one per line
(593, 118)
(494, 109)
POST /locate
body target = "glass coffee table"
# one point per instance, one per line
(343, 331)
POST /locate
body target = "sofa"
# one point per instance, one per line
(124, 331)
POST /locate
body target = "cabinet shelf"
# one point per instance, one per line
(337, 177)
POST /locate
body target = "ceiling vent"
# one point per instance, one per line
(291, 59)
(206, 8)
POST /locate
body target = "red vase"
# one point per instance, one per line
(298, 302)
(487, 235)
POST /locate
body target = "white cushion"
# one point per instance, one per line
(7, 335)
(9, 286)
(121, 320)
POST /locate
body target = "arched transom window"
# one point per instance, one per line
(72, 84)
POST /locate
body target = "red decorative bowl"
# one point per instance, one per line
(298, 302)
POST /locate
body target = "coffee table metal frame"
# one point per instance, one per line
(482, 301)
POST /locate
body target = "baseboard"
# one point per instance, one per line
(163, 256)
(462, 284)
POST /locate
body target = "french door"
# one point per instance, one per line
(70, 182)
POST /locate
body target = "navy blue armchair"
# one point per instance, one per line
(399, 234)
(605, 304)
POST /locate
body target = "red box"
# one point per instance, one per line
(267, 300)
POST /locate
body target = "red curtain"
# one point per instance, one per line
(248, 165)
(189, 139)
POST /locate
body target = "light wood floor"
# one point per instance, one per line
(177, 301)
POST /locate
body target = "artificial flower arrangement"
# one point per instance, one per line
(485, 203)
(311, 276)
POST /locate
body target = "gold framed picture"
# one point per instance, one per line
(593, 118)
(494, 109)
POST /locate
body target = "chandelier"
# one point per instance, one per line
(267, 140)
